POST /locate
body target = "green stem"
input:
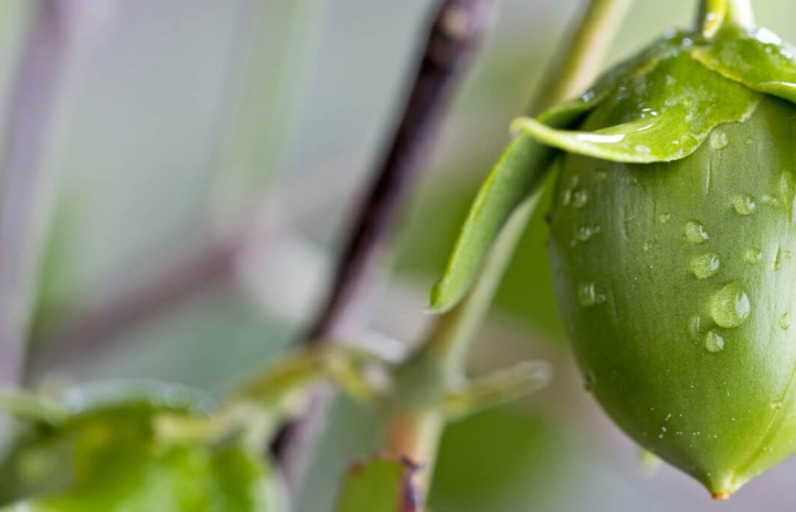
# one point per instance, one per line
(417, 422)
(580, 58)
(714, 14)
(739, 13)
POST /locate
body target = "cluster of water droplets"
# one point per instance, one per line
(588, 295)
(730, 307)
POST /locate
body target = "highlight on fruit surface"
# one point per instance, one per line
(672, 234)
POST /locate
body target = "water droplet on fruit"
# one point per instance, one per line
(580, 198)
(784, 321)
(770, 200)
(584, 233)
(787, 190)
(664, 218)
(752, 256)
(566, 197)
(693, 327)
(588, 295)
(714, 342)
(730, 306)
(641, 149)
(718, 139)
(744, 205)
(778, 260)
(704, 265)
(695, 232)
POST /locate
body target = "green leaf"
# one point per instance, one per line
(518, 174)
(651, 117)
(759, 60)
(177, 478)
(379, 485)
(108, 454)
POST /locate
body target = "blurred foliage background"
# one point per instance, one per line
(190, 116)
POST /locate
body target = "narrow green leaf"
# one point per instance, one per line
(379, 485)
(518, 172)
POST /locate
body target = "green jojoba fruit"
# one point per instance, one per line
(673, 234)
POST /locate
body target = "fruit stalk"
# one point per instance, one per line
(416, 423)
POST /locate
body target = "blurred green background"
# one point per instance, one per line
(188, 115)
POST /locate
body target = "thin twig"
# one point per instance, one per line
(455, 32)
(28, 172)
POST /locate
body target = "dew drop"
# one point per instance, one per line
(744, 205)
(714, 342)
(647, 247)
(584, 233)
(695, 232)
(566, 197)
(693, 327)
(588, 295)
(787, 190)
(770, 200)
(704, 265)
(784, 321)
(580, 198)
(718, 139)
(730, 306)
(642, 149)
(752, 256)
(664, 218)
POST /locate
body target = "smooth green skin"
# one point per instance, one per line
(726, 416)
(627, 272)
(378, 485)
(676, 135)
(106, 457)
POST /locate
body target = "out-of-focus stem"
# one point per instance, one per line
(713, 14)
(265, 81)
(415, 428)
(60, 29)
(243, 161)
(580, 58)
